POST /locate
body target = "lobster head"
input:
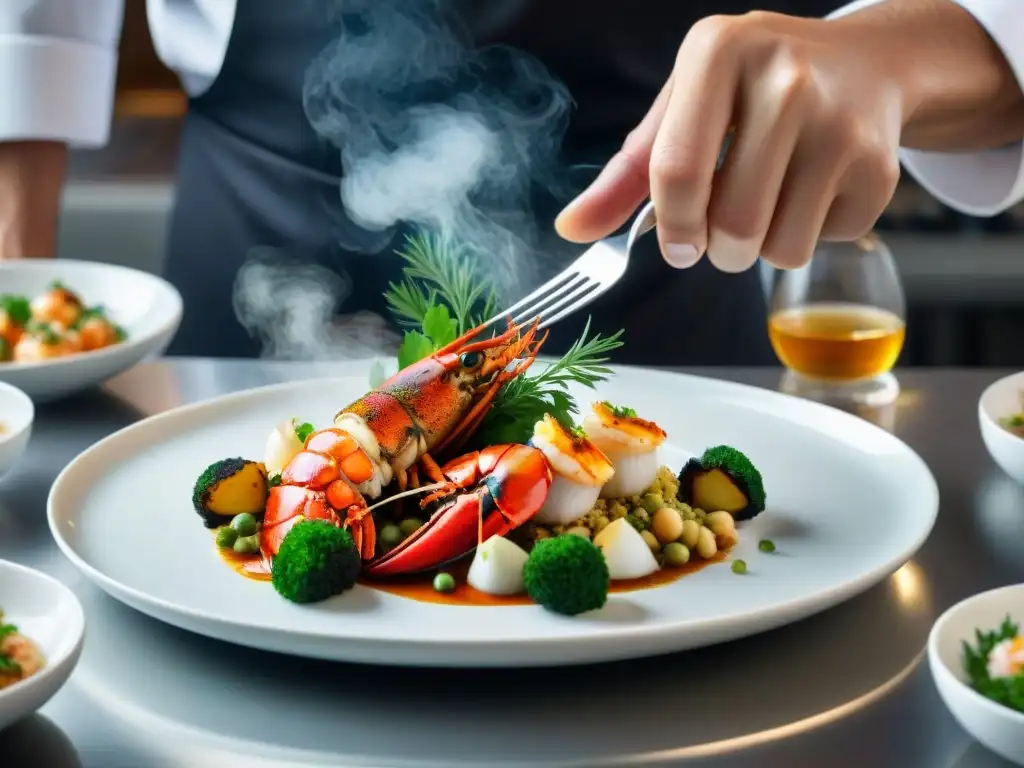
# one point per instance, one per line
(450, 392)
(476, 367)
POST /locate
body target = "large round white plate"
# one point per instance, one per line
(49, 614)
(146, 306)
(848, 504)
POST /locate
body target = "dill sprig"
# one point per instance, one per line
(439, 270)
(523, 401)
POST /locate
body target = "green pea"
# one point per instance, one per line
(676, 554)
(226, 537)
(652, 502)
(409, 526)
(444, 582)
(739, 566)
(391, 535)
(766, 545)
(245, 524)
(247, 545)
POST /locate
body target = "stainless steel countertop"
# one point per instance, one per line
(848, 687)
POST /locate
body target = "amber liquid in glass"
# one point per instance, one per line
(837, 341)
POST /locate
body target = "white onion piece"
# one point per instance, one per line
(497, 567)
(625, 551)
(567, 501)
(634, 473)
(283, 445)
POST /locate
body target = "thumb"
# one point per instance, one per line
(621, 186)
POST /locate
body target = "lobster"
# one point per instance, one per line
(390, 435)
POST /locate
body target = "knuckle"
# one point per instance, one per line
(670, 167)
(791, 80)
(715, 34)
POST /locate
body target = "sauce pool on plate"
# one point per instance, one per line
(421, 589)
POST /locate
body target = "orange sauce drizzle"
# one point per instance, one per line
(421, 589)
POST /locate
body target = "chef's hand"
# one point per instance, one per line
(817, 115)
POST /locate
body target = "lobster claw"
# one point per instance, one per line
(505, 486)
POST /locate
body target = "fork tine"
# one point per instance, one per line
(539, 308)
(557, 281)
(570, 299)
(584, 299)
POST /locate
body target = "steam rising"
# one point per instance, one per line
(431, 133)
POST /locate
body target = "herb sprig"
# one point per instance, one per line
(443, 295)
(1006, 691)
(8, 666)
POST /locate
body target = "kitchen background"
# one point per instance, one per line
(964, 278)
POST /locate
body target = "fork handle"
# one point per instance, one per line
(644, 222)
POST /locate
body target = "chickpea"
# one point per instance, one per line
(579, 530)
(706, 545)
(720, 523)
(652, 541)
(667, 525)
(691, 531)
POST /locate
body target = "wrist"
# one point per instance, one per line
(968, 101)
(31, 181)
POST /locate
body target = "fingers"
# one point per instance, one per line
(807, 195)
(863, 196)
(690, 138)
(745, 193)
(620, 188)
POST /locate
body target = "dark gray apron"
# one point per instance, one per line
(254, 174)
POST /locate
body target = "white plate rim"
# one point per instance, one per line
(55, 666)
(133, 343)
(766, 618)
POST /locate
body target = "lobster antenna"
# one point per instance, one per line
(403, 494)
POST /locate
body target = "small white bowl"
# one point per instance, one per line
(49, 614)
(1000, 399)
(997, 727)
(16, 416)
(146, 306)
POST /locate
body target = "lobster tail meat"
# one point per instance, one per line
(497, 490)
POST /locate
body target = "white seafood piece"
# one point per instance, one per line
(625, 551)
(283, 445)
(497, 567)
(631, 443)
(579, 470)
(356, 426)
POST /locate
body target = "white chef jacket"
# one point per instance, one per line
(58, 61)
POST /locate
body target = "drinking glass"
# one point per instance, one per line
(838, 324)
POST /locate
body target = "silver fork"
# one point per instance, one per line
(593, 273)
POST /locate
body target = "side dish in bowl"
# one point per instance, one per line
(54, 323)
(976, 656)
(1001, 421)
(20, 657)
(68, 325)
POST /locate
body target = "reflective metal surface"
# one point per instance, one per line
(845, 688)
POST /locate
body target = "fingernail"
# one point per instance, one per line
(681, 255)
(732, 254)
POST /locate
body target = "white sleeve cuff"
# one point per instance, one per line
(56, 89)
(989, 182)
(982, 183)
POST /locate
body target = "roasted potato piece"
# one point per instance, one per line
(723, 479)
(230, 487)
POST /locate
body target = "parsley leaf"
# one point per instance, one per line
(439, 326)
(17, 308)
(415, 346)
(377, 374)
(620, 411)
(1006, 691)
(303, 431)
